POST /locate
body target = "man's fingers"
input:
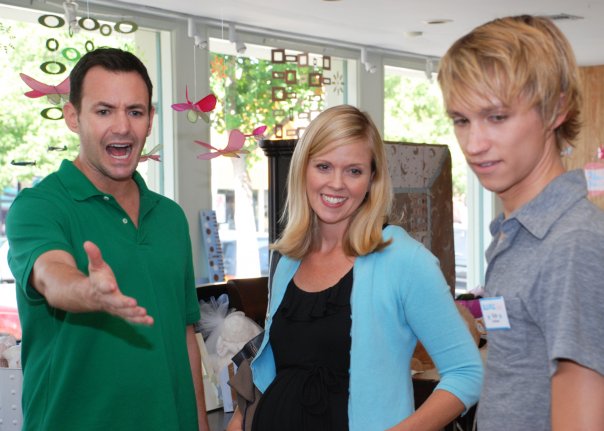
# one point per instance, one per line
(127, 309)
(95, 258)
(119, 302)
(134, 315)
(143, 320)
(106, 291)
(101, 275)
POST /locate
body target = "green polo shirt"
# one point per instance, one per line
(94, 371)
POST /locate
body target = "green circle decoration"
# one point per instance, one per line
(71, 54)
(52, 44)
(105, 29)
(130, 27)
(53, 67)
(88, 23)
(47, 21)
(89, 45)
(46, 113)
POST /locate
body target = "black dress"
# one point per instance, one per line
(310, 338)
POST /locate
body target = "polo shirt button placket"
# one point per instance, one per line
(125, 220)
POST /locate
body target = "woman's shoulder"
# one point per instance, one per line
(403, 244)
(399, 238)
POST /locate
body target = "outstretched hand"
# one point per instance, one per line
(105, 293)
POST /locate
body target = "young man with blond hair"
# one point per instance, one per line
(511, 87)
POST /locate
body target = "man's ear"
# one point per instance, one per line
(70, 114)
(151, 114)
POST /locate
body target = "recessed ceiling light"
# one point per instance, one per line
(438, 21)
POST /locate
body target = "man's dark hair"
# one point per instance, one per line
(111, 59)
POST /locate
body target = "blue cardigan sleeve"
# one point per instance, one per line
(432, 315)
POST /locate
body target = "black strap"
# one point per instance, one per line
(249, 350)
(273, 260)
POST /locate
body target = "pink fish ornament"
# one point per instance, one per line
(54, 92)
(151, 155)
(198, 109)
(234, 146)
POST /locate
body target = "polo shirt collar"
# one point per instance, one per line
(81, 188)
(555, 199)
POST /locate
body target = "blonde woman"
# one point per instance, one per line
(351, 297)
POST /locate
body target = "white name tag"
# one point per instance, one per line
(494, 313)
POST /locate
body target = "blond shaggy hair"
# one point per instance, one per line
(518, 58)
(335, 127)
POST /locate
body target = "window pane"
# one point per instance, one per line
(282, 89)
(413, 112)
(44, 49)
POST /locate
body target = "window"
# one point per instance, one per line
(41, 46)
(282, 89)
(413, 112)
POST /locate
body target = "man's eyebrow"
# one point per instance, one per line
(141, 106)
(138, 106)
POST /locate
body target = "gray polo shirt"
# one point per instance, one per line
(547, 262)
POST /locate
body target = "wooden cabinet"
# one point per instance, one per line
(592, 132)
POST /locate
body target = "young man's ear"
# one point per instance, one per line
(70, 114)
(562, 112)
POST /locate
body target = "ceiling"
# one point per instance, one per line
(389, 24)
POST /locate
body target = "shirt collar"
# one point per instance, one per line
(81, 188)
(538, 215)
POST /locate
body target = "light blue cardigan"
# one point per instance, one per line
(399, 295)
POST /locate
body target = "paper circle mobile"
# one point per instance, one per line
(125, 27)
(89, 45)
(53, 67)
(88, 23)
(105, 29)
(50, 114)
(52, 44)
(71, 54)
(51, 21)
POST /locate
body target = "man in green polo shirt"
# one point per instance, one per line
(104, 272)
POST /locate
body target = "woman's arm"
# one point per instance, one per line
(433, 316)
(437, 411)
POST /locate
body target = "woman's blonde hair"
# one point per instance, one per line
(516, 58)
(334, 127)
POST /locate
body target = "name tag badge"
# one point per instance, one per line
(494, 313)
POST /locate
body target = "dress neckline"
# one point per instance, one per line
(337, 283)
